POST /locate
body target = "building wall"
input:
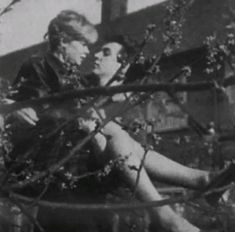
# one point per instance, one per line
(203, 18)
(200, 22)
(204, 106)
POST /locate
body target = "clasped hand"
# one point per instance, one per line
(93, 121)
(27, 115)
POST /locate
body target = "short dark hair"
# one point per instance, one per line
(128, 45)
(68, 25)
(136, 71)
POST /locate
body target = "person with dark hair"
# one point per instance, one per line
(114, 142)
(38, 142)
(57, 71)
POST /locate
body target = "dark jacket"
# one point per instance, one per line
(45, 143)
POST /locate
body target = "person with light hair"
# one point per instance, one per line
(58, 70)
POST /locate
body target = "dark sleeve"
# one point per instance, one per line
(90, 80)
(28, 83)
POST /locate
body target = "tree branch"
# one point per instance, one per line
(106, 91)
(107, 207)
(8, 7)
(33, 220)
(124, 206)
(53, 168)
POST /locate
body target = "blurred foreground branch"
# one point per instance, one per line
(108, 91)
(123, 206)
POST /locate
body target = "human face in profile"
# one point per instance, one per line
(75, 51)
(106, 63)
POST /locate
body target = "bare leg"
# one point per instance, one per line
(158, 166)
(118, 145)
(166, 170)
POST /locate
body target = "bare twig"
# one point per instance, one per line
(219, 189)
(139, 172)
(39, 197)
(107, 207)
(124, 206)
(53, 168)
(192, 121)
(8, 7)
(16, 202)
(107, 91)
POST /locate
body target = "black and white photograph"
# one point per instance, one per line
(117, 116)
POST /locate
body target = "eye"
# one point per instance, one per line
(106, 52)
(84, 44)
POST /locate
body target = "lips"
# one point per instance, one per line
(96, 64)
(83, 57)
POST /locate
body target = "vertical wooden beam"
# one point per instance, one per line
(112, 9)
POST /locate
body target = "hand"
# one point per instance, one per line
(88, 125)
(98, 114)
(28, 115)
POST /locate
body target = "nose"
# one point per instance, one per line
(86, 50)
(97, 55)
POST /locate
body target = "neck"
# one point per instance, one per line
(59, 56)
(104, 80)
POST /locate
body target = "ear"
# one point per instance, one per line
(62, 47)
(119, 58)
(123, 71)
(122, 58)
(61, 50)
(63, 44)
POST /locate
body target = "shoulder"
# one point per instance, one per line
(90, 80)
(28, 80)
(31, 70)
(31, 64)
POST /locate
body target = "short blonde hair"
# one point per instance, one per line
(69, 25)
